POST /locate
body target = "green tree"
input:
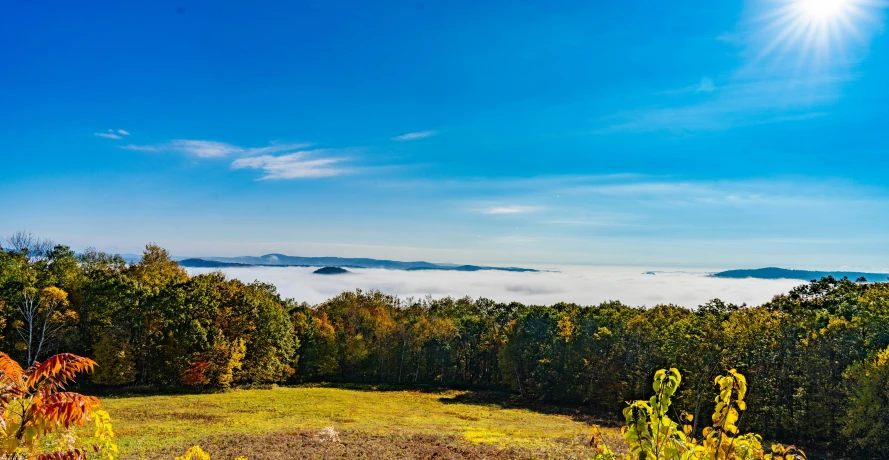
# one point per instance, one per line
(867, 420)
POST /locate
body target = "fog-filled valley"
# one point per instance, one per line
(584, 285)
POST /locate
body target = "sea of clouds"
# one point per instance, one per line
(582, 285)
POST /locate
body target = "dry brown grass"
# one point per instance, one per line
(317, 444)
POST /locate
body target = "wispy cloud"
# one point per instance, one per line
(212, 149)
(585, 223)
(114, 134)
(510, 209)
(205, 149)
(297, 165)
(741, 103)
(277, 161)
(141, 148)
(274, 148)
(414, 136)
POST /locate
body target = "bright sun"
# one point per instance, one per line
(821, 9)
(816, 29)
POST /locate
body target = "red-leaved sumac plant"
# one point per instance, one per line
(38, 417)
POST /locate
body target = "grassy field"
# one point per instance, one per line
(320, 422)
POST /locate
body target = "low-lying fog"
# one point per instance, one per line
(582, 285)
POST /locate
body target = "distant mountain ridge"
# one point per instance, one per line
(282, 260)
(201, 263)
(772, 273)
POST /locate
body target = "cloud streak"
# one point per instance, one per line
(414, 136)
(297, 165)
(510, 209)
(205, 149)
(742, 103)
(141, 148)
(113, 134)
(277, 161)
(212, 149)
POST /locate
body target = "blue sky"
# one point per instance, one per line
(650, 133)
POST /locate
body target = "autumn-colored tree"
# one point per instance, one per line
(157, 269)
(34, 405)
(43, 315)
(155, 273)
(115, 357)
(528, 354)
(867, 419)
(319, 353)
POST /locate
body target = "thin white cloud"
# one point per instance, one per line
(414, 136)
(212, 149)
(141, 148)
(586, 223)
(743, 103)
(510, 209)
(274, 148)
(123, 132)
(297, 165)
(108, 135)
(205, 149)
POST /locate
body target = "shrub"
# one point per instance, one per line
(650, 434)
(196, 453)
(33, 405)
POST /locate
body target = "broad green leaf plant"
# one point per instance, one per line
(650, 434)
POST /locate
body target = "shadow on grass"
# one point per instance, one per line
(476, 396)
(504, 400)
(414, 387)
(133, 391)
(483, 397)
(138, 391)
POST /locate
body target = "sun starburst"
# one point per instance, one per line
(816, 32)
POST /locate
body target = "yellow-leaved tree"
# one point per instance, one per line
(34, 407)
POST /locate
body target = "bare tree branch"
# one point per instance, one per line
(26, 242)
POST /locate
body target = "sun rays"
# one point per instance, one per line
(814, 34)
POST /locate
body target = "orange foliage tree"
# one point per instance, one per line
(34, 405)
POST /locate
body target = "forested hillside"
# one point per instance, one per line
(815, 359)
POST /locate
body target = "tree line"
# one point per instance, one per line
(816, 358)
